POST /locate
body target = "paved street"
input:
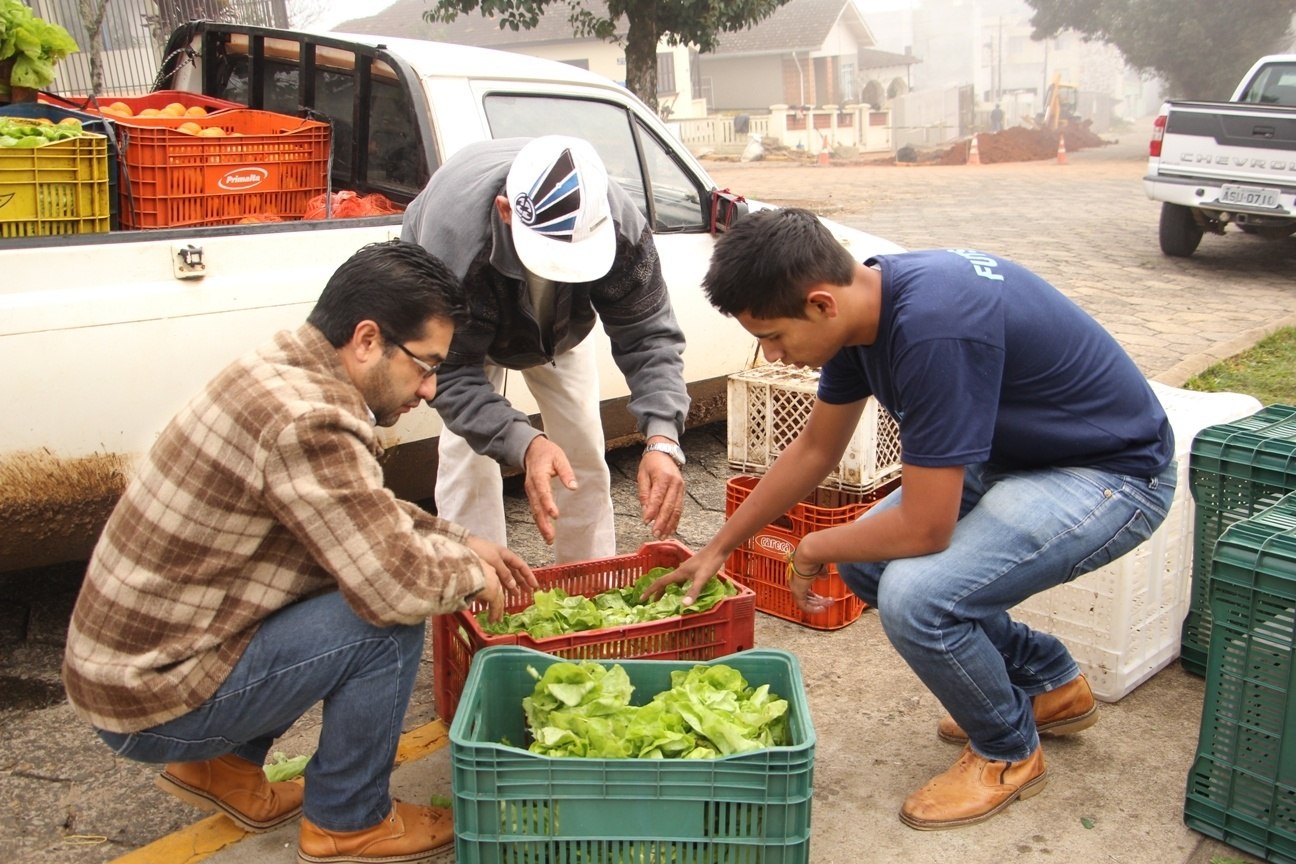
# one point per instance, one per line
(1116, 793)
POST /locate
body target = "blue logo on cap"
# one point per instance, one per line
(553, 203)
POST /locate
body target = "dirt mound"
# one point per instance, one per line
(1019, 144)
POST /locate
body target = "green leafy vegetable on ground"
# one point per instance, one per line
(555, 612)
(583, 709)
(285, 767)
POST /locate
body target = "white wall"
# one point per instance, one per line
(745, 83)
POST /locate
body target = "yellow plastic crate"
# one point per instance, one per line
(57, 188)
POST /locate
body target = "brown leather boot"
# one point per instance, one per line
(235, 787)
(973, 790)
(1061, 711)
(410, 834)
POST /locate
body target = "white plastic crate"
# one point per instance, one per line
(1122, 622)
(769, 406)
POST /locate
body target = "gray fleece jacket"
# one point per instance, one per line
(454, 218)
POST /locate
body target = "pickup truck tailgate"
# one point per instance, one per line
(1237, 143)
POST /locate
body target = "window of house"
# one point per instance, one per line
(666, 73)
(670, 197)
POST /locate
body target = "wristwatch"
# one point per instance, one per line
(670, 448)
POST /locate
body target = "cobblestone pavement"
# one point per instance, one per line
(1086, 226)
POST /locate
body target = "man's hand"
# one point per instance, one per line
(692, 572)
(544, 461)
(805, 598)
(661, 493)
(504, 569)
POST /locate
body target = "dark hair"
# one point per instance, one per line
(766, 261)
(397, 285)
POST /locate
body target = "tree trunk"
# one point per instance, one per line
(92, 18)
(641, 52)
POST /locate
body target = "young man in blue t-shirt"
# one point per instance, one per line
(1033, 451)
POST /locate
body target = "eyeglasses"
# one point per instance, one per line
(428, 369)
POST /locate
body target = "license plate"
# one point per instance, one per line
(1251, 196)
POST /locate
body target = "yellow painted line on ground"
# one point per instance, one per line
(205, 838)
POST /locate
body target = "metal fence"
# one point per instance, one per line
(134, 33)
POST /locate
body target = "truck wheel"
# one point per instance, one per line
(1180, 233)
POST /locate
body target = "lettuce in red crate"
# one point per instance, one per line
(555, 612)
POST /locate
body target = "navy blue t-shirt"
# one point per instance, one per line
(980, 360)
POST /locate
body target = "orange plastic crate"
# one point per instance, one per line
(266, 165)
(761, 562)
(723, 629)
(761, 565)
(823, 508)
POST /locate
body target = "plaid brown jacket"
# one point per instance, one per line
(264, 490)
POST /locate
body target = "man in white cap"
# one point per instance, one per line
(544, 245)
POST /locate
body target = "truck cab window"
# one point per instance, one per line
(669, 196)
(395, 163)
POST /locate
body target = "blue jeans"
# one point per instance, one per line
(317, 649)
(1019, 533)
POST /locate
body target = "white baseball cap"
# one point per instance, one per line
(562, 225)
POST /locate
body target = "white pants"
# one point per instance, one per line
(470, 488)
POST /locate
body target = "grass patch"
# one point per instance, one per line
(1266, 371)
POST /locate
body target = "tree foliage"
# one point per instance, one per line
(1200, 48)
(680, 22)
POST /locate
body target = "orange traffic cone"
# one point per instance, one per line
(974, 158)
(823, 151)
(1061, 149)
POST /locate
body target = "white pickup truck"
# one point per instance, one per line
(104, 336)
(1216, 163)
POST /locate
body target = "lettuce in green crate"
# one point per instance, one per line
(555, 612)
(583, 709)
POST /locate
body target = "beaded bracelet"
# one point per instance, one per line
(792, 571)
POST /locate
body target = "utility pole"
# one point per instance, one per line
(999, 61)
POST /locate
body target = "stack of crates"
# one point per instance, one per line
(514, 805)
(1242, 785)
(768, 408)
(1237, 469)
(723, 629)
(1122, 621)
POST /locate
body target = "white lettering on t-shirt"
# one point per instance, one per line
(982, 263)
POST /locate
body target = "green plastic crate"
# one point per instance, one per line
(1242, 785)
(1236, 470)
(514, 806)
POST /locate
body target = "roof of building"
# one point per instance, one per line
(405, 18)
(874, 58)
(798, 25)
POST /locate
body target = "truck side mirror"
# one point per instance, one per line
(726, 209)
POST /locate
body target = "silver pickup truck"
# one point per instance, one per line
(1212, 164)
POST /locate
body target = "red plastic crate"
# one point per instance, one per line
(725, 628)
(266, 166)
(823, 508)
(158, 99)
(761, 562)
